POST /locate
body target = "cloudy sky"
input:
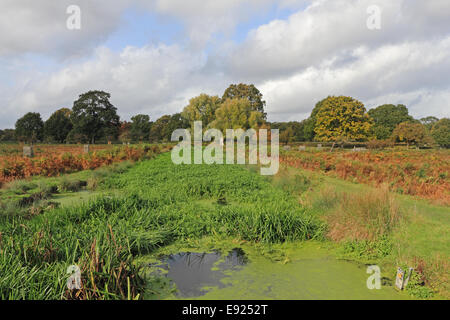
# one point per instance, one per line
(153, 55)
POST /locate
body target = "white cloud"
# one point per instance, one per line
(325, 49)
(332, 29)
(154, 79)
(409, 73)
(40, 26)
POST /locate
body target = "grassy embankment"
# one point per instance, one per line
(373, 225)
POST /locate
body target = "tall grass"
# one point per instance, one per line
(367, 216)
(161, 203)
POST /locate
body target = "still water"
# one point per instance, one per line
(234, 276)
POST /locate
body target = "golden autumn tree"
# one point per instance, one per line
(342, 119)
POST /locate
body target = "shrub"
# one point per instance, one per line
(67, 185)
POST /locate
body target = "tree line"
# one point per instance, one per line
(93, 119)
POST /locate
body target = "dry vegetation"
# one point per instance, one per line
(56, 160)
(423, 173)
(365, 216)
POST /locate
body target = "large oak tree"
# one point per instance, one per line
(94, 116)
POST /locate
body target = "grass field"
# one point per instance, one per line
(373, 225)
(106, 220)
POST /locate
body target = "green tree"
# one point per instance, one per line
(387, 117)
(310, 123)
(163, 128)
(58, 126)
(429, 122)
(308, 129)
(8, 135)
(140, 127)
(202, 108)
(237, 114)
(441, 132)
(341, 119)
(295, 130)
(30, 128)
(411, 133)
(249, 92)
(94, 116)
(287, 135)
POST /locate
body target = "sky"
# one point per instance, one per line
(152, 56)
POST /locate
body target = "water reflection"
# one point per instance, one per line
(192, 272)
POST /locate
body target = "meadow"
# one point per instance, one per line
(422, 173)
(54, 160)
(107, 219)
(374, 225)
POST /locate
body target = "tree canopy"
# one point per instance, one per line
(290, 131)
(429, 122)
(163, 127)
(30, 127)
(387, 117)
(237, 114)
(441, 132)
(94, 116)
(310, 123)
(249, 92)
(202, 108)
(342, 118)
(140, 127)
(411, 133)
(58, 126)
(7, 135)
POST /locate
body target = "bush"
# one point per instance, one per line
(67, 185)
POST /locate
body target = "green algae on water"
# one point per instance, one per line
(306, 271)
